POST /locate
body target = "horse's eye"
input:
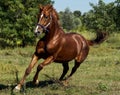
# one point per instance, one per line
(46, 17)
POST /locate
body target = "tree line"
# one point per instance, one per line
(102, 16)
(18, 19)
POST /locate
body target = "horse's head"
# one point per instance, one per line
(45, 18)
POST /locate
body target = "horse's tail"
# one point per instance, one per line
(101, 36)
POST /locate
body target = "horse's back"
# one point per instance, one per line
(72, 46)
(78, 38)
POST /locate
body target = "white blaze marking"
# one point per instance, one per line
(36, 29)
(41, 17)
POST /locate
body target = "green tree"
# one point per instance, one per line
(77, 13)
(70, 20)
(100, 17)
(67, 19)
(17, 21)
(116, 14)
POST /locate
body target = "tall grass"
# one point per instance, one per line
(97, 75)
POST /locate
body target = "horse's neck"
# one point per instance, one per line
(54, 31)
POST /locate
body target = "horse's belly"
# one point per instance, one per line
(66, 56)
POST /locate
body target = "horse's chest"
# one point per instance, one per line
(52, 47)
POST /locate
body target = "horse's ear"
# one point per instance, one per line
(50, 6)
(40, 7)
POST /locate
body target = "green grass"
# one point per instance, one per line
(99, 74)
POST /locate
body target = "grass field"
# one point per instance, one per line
(99, 74)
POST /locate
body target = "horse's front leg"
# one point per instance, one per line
(40, 67)
(27, 72)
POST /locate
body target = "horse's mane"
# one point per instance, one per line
(50, 8)
(55, 14)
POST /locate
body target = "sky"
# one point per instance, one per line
(81, 5)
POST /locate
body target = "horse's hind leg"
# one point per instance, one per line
(79, 59)
(77, 64)
(65, 70)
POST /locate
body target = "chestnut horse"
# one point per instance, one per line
(57, 46)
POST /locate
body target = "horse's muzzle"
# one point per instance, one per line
(37, 33)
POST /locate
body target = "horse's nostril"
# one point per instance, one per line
(35, 34)
(38, 32)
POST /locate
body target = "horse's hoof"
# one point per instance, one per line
(65, 83)
(16, 89)
(36, 82)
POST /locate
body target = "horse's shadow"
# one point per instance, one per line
(45, 83)
(41, 84)
(2, 86)
(30, 84)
